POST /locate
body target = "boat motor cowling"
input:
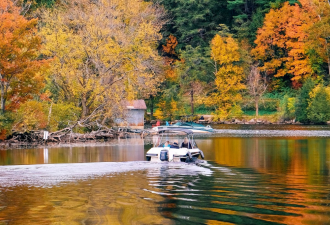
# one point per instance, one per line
(202, 154)
(163, 155)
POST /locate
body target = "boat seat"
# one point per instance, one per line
(184, 146)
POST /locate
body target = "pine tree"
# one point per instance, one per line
(195, 22)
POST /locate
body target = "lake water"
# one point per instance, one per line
(251, 175)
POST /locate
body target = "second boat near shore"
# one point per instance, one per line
(191, 126)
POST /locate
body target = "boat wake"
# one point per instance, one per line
(47, 175)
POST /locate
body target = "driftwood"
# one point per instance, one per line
(66, 135)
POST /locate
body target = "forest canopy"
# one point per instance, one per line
(220, 57)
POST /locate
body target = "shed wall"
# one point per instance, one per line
(135, 118)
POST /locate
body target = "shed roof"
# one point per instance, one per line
(136, 104)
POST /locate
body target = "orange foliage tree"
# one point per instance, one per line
(171, 44)
(281, 42)
(21, 73)
(171, 58)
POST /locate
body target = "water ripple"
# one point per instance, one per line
(271, 133)
(165, 193)
(242, 197)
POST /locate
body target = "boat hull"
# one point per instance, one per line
(161, 154)
(193, 129)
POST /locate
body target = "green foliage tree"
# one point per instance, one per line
(195, 22)
(6, 123)
(318, 109)
(194, 72)
(302, 101)
(287, 107)
(35, 4)
(248, 15)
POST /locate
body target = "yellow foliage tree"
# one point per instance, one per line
(229, 76)
(31, 115)
(168, 110)
(104, 52)
(319, 32)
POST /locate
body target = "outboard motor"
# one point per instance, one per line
(202, 154)
(189, 155)
(163, 155)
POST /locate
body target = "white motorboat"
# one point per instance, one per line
(176, 148)
(194, 127)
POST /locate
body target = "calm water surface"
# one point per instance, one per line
(264, 178)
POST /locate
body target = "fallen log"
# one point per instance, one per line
(66, 135)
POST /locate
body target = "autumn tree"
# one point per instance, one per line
(167, 91)
(229, 76)
(256, 85)
(105, 51)
(280, 43)
(168, 110)
(319, 32)
(21, 68)
(248, 16)
(170, 46)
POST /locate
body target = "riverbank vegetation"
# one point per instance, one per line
(74, 63)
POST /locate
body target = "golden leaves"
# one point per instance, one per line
(229, 76)
(104, 52)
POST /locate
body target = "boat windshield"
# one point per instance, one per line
(188, 124)
(170, 145)
(179, 143)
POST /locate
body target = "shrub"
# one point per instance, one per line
(318, 110)
(62, 115)
(6, 123)
(264, 104)
(30, 116)
(287, 108)
(233, 111)
(303, 99)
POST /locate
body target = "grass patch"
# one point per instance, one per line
(261, 113)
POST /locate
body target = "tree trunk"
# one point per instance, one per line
(84, 107)
(257, 106)
(192, 101)
(328, 53)
(50, 113)
(151, 107)
(3, 99)
(329, 65)
(246, 8)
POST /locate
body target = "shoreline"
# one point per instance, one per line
(137, 139)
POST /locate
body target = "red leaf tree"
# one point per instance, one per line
(21, 70)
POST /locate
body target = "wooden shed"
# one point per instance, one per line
(135, 113)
